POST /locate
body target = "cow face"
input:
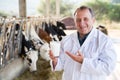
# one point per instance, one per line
(55, 47)
(32, 57)
(44, 51)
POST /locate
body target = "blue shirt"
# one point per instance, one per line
(81, 40)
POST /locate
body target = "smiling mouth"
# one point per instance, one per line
(83, 28)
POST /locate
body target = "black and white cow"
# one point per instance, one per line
(56, 32)
(28, 52)
(47, 42)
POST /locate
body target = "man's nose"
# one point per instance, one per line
(81, 23)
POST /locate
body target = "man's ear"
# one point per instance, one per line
(94, 20)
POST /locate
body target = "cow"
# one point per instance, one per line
(103, 29)
(28, 52)
(55, 32)
(31, 59)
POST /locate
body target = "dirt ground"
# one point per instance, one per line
(114, 33)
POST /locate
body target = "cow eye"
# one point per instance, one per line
(29, 60)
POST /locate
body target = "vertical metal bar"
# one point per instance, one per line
(22, 8)
(57, 8)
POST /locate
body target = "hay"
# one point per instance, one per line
(43, 72)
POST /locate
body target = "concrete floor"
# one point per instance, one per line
(13, 69)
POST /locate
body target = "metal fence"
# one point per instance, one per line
(10, 42)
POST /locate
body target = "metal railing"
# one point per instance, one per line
(10, 44)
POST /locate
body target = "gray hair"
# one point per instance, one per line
(84, 7)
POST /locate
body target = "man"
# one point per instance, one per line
(87, 54)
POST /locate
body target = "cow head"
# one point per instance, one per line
(44, 51)
(55, 47)
(31, 58)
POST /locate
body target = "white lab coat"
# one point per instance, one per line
(99, 57)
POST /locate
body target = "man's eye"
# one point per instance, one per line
(85, 19)
(78, 20)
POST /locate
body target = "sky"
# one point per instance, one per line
(12, 6)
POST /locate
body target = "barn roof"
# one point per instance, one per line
(69, 22)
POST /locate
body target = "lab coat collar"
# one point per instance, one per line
(93, 34)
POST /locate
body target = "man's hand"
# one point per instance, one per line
(53, 58)
(79, 57)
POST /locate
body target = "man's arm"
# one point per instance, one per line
(53, 58)
(78, 57)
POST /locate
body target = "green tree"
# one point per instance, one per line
(66, 8)
(105, 10)
(3, 13)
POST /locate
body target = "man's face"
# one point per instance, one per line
(84, 21)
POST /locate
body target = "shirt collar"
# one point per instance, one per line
(84, 37)
(81, 40)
